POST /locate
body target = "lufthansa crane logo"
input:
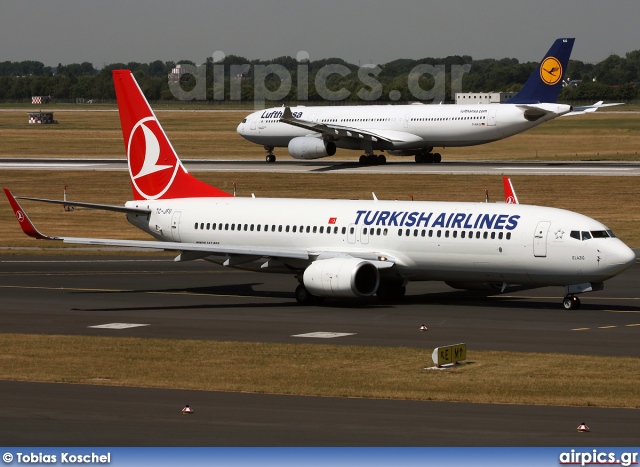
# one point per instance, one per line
(153, 164)
(551, 71)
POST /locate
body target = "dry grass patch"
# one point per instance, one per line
(323, 370)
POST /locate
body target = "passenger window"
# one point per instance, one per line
(351, 230)
(344, 230)
(315, 229)
(430, 233)
(286, 229)
(279, 228)
(246, 227)
(384, 232)
(500, 235)
(415, 233)
(478, 234)
(446, 234)
(202, 226)
(462, 234)
(309, 229)
(508, 235)
(493, 235)
(378, 232)
(196, 226)
(251, 227)
(226, 227)
(233, 227)
(208, 225)
(294, 228)
(455, 234)
(399, 232)
(485, 235)
(321, 229)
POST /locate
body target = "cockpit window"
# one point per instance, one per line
(586, 235)
(244, 120)
(575, 234)
(611, 234)
(599, 234)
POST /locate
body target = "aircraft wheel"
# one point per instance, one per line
(381, 159)
(419, 158)
(270, 158)
(429, 158)
(363, 159)
(571, 302)
(303, 297)
(437, 158)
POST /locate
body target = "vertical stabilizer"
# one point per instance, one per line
(545, 83)
(154, 167)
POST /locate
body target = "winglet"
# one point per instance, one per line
(287, 114)
(23, 219)
(509, 193)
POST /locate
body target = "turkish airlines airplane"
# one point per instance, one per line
(413, 130)
(347, 248)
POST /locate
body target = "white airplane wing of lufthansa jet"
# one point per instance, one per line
(346, 248)
(413, 130)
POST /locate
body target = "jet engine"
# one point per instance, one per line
(341, 277)
(308, 147)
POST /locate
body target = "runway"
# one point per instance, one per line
(396, 165)
(198, 300)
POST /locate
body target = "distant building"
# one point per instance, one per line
(483, 97)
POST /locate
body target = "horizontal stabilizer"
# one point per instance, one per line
(102, 207)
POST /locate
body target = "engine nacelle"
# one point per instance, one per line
(308, 147)
(341, 277)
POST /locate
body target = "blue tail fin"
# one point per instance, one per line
(545, 83)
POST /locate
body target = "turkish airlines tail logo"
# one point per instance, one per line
(154, 167)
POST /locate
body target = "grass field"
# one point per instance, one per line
(321, 370)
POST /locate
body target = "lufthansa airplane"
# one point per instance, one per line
(416, 129)
(347, 248)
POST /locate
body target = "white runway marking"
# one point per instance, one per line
(325, 335)
(118, 326)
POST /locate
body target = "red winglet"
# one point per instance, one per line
(23, 219)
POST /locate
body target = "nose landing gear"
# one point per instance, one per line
(271, 157)
(571, 302)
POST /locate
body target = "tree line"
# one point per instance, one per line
(615, 78)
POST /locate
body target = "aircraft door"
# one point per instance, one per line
(491, 118)
(175, 226)
(364, 235)
(406, 120)
(351, 233)
(540, 239)
(253, 122)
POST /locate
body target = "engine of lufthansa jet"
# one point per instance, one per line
(308, 147)
(341, 277)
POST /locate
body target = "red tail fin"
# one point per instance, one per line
(509, 193)
(154, 167)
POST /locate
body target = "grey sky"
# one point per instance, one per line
(110, 31)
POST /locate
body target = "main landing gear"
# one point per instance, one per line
(303, 297)
(271, 157)
(571, 302)
(372, 159)
(428, 157)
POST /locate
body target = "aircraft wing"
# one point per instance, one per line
(333, 132)
(191, 251)
(590, 108)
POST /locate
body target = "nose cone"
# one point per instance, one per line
(240, 128)
(621, 257)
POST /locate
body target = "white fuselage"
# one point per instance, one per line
(408, 127)
(457, 242)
